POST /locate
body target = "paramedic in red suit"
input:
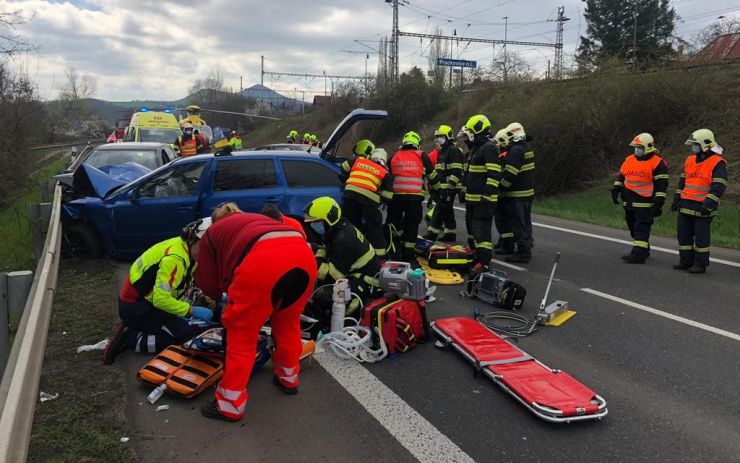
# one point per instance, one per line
(267, 270)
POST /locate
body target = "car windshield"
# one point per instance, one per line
(159, 135)
(102, 158)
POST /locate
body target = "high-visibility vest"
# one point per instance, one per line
(366, 174)
(699, 177)
(408, 172)
(638, 174)
(189, 147)
(433, 155)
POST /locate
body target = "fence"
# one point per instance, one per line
(20, 381)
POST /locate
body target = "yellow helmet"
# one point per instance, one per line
(411, 139)
(515, 132)
(501, 139)
(704, 137)
(306, 136)
(646, 141)
(323, 208)
(477, 125)
(363, 148)
(444, 131)
(380, 156)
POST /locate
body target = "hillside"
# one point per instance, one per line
(581, 127)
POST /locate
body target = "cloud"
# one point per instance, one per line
(147, 49)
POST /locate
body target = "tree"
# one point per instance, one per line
(78, 86)
(439, 48)
(211, 93)
(10, 42)
(611, 31)
(725, 25)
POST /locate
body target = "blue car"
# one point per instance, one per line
(122, 221)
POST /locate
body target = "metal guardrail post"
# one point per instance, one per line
(39, 221)
(19, 287)
(20, 383)
(4, 322)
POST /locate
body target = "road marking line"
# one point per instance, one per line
(670, 316)
(506, 264)
(617, 240)
(425, 442)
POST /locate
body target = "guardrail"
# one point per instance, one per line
(20, 382)
(85, 142)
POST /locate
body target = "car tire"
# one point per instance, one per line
(82, 240)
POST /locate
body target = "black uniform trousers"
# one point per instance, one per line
(639, 221)
(152, 329)
(369, 220)
(694, 234)
(406, 214)
(479, 217)
(443, 217)
(505, 235)
(518, 216)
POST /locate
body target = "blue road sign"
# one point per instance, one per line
(459, 63)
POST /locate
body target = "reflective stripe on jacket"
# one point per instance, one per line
(160, 276)
(408, 172)
(638, 174)
(698, 177)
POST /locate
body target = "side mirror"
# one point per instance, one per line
(132, 195)
(73, 154)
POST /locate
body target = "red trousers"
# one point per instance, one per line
(273, 282)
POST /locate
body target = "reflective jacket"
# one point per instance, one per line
(642, 181)
(449, 167)
(409, 168)
(347, 254)
(368, 182)
(160, 276)
(517, 180)
(187, 147)
(483, 174)
(235, 143)
(702, 183)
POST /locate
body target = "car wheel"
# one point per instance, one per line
(82, 240)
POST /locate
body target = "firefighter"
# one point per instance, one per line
(409, 167)
(505, 243)
(149, 301)
(701, 185)
(517, 191)
(449, 173)
(306, 138)
(268, 271)
(362, 149)
(235, 141)
(292, 137)
(368, 185)
(482, 183)
(187, 143)
(642, 185)
(343, 253)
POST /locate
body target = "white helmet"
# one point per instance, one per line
(380, 156)
(515, 132)
(501, 139)
(703, 137)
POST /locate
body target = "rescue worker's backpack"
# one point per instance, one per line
(402, 323)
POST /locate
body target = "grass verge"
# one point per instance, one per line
(16, 246)
(595, 206)
(86, 421)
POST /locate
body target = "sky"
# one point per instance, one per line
(156, 49)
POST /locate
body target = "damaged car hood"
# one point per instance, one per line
(89, 181)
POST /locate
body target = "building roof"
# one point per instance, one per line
(723, 48)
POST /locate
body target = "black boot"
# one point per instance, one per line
(696, 268)
(503, 251)
(431, 236)
(633, 259)
(521, 257)
(210, 410)
(448, 237)
(119, 342)
(285, 389)
(681, 267)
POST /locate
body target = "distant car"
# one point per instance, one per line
(288, 147)
(122, 220)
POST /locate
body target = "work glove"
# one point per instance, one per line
(675, 204)
(657, 211)
(615, 197)
(705, 211)
(201, 313)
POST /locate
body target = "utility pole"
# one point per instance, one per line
(262, 78)
(324, 72)
(394, 45)
(506, 38)
(558, 72)
(634, 38)
(241, 84)
(367, 84)
(548, 70)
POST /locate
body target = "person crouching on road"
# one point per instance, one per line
(642, 184)
(409, 167)
(149, 301)
(701, 185)
(267, 270)
(344, 252)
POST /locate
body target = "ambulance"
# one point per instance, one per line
(153, 126)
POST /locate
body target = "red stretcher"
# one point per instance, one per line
(552, 395)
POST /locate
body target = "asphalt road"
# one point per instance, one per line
(669, 371)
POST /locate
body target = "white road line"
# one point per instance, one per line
(617, 240)
(685, 321)
(506, 264)
(425, 442)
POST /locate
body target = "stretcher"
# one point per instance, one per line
(439, 276)
(551, 395)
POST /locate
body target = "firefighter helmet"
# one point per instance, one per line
(704, 138)
(646, 141)
(411, 139)
(444, 131)
(324, 208)
(363, 148)
(515, 132)
(501, 139)
(380, 156)
(477, 125)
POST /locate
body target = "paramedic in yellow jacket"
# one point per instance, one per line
(152, 314)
